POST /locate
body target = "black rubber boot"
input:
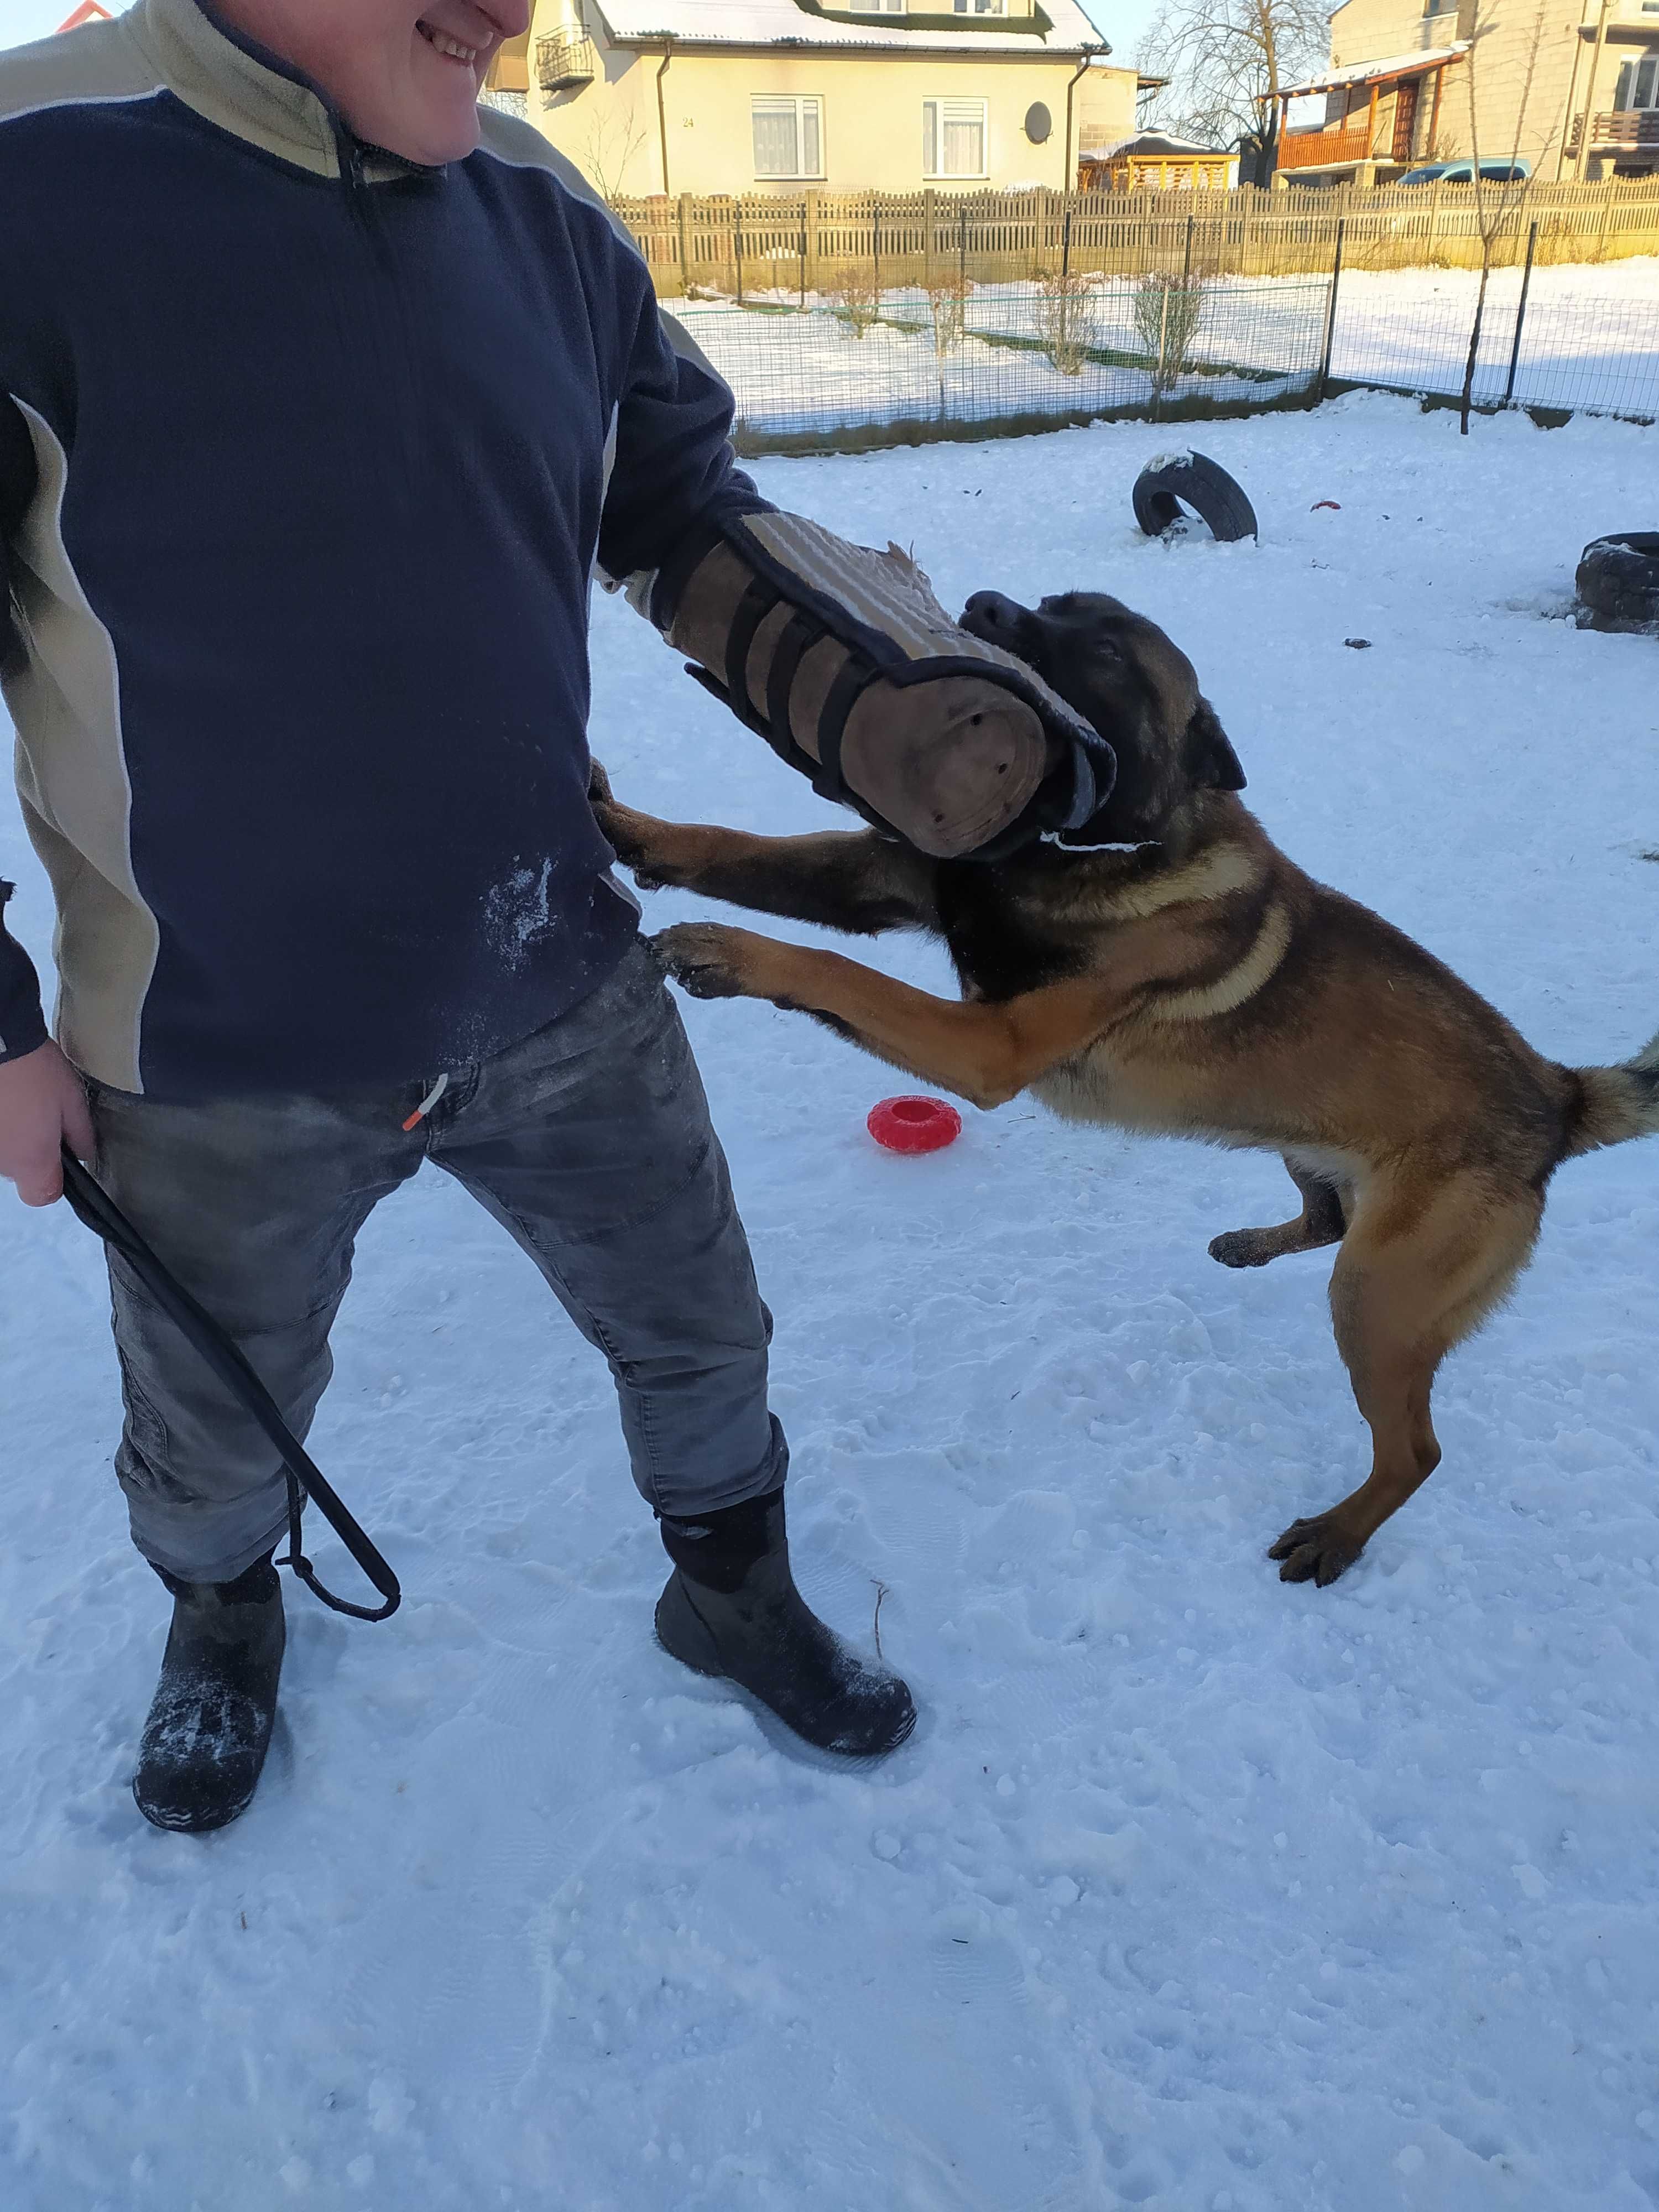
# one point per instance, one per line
(209, 1722)
(731, 1608)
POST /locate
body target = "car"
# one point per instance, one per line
(1462, 173)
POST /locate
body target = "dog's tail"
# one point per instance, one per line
(1616, 1103)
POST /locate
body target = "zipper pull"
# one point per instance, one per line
(426, 1104)
(350, 154)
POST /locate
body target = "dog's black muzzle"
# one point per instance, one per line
(1072, 803)
(1004, 622)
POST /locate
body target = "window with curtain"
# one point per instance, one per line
(1638, 83)
(953, 138)
(788, 135)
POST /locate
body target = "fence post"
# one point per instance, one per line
(814, 246)
(875, 243)
(1330, 312)
(927, 220)
(1521, 315)
(737, 243)
(803, 253)
(1065, 248)
(1187, 257)
(683, 212)
(962, 246)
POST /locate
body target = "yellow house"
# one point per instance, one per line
(759, 96)
(1572, 91)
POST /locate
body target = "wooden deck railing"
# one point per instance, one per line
(1317, 149)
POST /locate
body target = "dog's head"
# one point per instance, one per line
(1129, 681)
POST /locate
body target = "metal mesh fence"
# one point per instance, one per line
(858, 369)
(1544, 347)
(855, 367)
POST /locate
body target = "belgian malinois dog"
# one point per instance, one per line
(1192, 981)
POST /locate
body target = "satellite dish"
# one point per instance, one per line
(1038, 123)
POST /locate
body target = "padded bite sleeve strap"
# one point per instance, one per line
(842, 658)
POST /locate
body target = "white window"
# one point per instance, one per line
(953, 138)
(980, 7)
(788, 137)
(877, 7)
(1638, 84)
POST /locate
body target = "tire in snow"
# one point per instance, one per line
(1617, 583)
(1177, 480)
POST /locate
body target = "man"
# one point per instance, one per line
(322, 394)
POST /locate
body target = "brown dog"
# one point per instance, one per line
(1198, 984)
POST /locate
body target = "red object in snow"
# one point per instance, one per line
(1335, 505)
(914, 1125)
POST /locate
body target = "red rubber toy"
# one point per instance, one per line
(914, 1125)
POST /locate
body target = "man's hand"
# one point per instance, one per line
(42, 1107)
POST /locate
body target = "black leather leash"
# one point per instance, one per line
(93, 1204)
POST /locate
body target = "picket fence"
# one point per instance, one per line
(822, 242)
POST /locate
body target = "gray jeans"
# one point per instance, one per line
(590, 1143)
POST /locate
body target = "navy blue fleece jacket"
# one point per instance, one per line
(323, 451)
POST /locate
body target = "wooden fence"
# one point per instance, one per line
(830, 241)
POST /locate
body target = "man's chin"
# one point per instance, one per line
(448, 131)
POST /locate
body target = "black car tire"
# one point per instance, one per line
(1193, 480)
(1617, 583)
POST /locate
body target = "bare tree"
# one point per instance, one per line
(1167, 312)
(614, 136)
(1066, 312)
(1498, 202)
(854, 295)
(947, 309)
(1228, 61)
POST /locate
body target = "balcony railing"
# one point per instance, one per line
(1624, 127)
(1320, 150)
(564, 61)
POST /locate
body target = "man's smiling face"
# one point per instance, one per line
(405, 74)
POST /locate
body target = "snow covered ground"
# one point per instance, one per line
(1589, 339)
(1193, 1892)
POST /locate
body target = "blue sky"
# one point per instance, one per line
(22, 20)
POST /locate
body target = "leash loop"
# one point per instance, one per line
(92, 1205)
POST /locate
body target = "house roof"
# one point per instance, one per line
(88, 12)
(754, 23)
(1153, 144)
(1378, 72)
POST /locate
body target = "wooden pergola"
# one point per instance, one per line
(1335, 146)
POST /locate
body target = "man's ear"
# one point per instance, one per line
(1211, 760)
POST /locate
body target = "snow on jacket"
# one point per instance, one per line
(326, 449)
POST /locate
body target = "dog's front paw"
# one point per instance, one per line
(1316, 1550)
(1241, 1248)
(637, 839)
(703, 957)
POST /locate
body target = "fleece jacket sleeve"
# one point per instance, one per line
(673, 470)
(22, 1024)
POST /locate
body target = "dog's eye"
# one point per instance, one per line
(1109, 649)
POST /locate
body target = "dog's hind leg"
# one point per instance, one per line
(1322, 1221)
(1419, 1269)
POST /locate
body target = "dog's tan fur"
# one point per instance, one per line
(1197, 983)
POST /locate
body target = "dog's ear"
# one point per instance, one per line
(1211, 760)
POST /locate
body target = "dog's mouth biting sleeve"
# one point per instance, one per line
(844, 661)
